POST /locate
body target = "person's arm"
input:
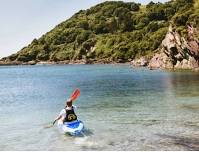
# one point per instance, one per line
(59, 117)
(63, 112)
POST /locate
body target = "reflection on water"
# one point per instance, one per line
(184, 84)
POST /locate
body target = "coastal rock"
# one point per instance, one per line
(160, 60)
(184, 64)
(178, 52)
(143, 61)
(32, 62)
(63, 62)
(45, 63)
(196, 69)
(10, 63)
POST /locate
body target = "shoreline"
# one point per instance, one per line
(78, 62)
(83, 62)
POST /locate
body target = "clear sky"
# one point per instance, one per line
(23, 20)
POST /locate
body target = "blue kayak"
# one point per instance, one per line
(72, 128)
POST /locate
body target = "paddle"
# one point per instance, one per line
(75, 94)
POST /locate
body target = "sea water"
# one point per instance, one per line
(123, 108)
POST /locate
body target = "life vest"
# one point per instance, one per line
(70, 115)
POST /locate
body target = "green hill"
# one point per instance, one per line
(111, 31)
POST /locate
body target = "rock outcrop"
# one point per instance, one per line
(143, 61)
(178, 52)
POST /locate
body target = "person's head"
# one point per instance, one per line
(68, 103)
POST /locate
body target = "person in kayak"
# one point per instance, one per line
(67, 114)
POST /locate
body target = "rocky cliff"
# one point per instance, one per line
(178, 52)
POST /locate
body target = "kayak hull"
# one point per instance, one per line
(72, 128)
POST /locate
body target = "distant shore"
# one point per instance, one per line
(133, 63)
(7, 63)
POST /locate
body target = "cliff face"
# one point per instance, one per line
(178, 52)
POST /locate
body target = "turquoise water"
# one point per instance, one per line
(123, 108)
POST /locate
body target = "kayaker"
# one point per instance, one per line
(67, 114)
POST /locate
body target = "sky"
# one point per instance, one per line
(23, 20)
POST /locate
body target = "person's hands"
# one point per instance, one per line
(54, 122)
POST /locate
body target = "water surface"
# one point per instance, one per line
(123, 108)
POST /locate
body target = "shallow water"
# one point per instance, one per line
(123, 108)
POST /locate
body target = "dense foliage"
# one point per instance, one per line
(113, 31)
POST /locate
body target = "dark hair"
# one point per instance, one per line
(69, 104)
